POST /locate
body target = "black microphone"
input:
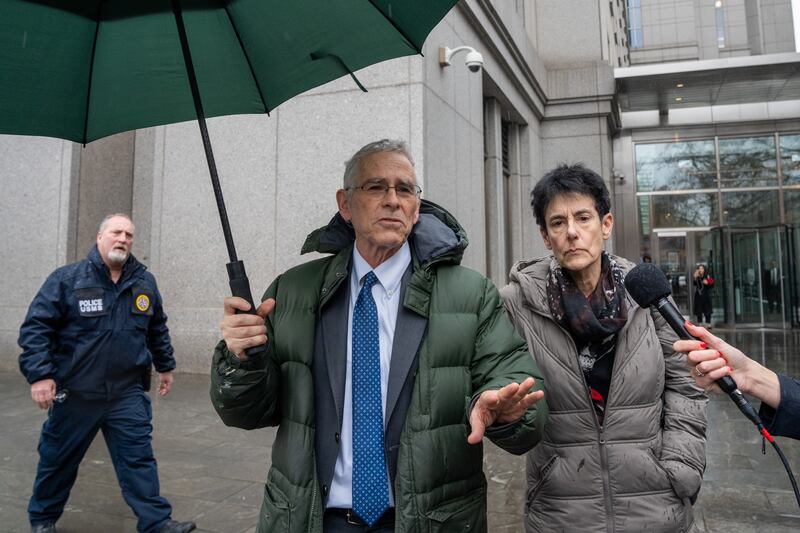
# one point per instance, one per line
(648, 286)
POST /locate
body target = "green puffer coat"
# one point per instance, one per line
(470, 346)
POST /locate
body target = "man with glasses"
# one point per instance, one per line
(386, 363)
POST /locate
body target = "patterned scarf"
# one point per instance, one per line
(592, 322)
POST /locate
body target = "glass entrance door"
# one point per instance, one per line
(759, 262)
(671, 249)
(747, 297)
(705, 248)
(771, 249)
(791, 286)
(678, 253)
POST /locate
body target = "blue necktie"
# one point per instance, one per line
(370, 486)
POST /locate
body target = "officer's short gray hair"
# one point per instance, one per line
(353, 165)
(104, 222)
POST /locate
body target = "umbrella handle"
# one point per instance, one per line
(240, 286)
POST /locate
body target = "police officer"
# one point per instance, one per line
(88, 340)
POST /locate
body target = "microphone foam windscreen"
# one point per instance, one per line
(646, 283)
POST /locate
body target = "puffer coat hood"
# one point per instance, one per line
(437, 236)
(641, 469)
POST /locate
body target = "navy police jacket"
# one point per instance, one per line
(95, 338)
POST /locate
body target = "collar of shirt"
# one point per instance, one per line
(389, 273)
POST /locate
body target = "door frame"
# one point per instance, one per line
(655, 243)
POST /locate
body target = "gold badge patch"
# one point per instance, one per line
(142, 302)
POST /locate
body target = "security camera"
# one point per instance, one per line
(474, 59)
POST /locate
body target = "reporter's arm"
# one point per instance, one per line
(764, 385)
(779, 394)
(783, 419)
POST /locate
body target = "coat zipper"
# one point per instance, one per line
(313, 519)
(601, 441)
(606, 483)
(601, 444)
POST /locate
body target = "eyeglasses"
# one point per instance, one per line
(379, 189)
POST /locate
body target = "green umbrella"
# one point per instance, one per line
(84, 69)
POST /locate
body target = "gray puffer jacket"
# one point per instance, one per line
(642, 468)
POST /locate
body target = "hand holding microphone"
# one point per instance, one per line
(714, 358)
(707, 362)
(648, 286)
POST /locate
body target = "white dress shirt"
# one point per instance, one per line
(386, 293)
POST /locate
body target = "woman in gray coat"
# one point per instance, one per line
(624, 447)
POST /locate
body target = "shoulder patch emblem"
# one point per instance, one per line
(142, 302)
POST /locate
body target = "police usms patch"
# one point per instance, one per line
(90, 301)
(88, 307)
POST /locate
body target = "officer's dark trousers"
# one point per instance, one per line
(69, 430)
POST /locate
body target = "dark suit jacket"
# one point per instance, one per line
(329, 371)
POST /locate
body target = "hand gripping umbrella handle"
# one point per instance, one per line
(240, 286)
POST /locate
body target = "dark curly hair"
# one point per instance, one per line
(569, 179)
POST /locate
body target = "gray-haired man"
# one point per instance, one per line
(386, 362)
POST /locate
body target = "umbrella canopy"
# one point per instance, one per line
(84, 69)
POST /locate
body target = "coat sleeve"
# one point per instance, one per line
(38, 333)
(158, 341)
(246, 394)
(785, 420)
(685, 418)
(501, 357)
